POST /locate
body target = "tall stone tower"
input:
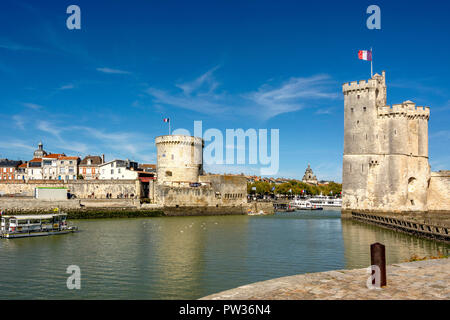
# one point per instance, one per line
(179, 158)
(385, 165)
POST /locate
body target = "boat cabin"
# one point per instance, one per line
(30, 223)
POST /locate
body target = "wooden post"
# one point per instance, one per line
(378, 258)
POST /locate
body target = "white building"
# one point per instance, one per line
(34, 169)
(118, 170)
(21, 172)
(67, 168)
(50, 166)
(89, 167)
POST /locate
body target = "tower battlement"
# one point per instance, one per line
(406, 109)
(359, 85)
(363, 85)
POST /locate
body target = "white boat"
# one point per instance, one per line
(326, 202)
(21, 226)
(304, 204)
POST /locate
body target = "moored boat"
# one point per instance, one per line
(305, 204)
(326, 202)
(21, 226)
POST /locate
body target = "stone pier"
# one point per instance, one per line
(420, 280)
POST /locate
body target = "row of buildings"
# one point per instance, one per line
(58, 166)
(309, 177)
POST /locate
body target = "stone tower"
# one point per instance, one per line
(179, 158)
(385, 165)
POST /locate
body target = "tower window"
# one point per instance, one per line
(364, 108)
(358, 96)
(351, 109)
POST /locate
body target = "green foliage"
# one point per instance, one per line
(293, 187)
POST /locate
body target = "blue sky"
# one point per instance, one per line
(232, 64)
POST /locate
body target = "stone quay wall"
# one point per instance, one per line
(421, 280)
(91, 208)
(82, 189)
(17, 205)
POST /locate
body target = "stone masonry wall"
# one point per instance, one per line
(220, 190)
(82, 189)
(439, 191)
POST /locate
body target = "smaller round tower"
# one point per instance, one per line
(179, 158)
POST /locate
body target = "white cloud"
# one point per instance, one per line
(67, 86)
(205, 80)
(112, 71)
(202, 95)
(49, 128)
(19, 121)
(292, 95)
(94, 141)
(324, 111)
(16, 145)
(33, 106)
(13, 46)
(445, 134)
(444, 107)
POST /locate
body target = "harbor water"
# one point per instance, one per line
(191, 257)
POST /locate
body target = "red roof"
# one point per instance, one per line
(23, 165)
(55, 155)
(36, 160)
(68, 158)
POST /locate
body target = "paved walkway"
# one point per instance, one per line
(429, 279)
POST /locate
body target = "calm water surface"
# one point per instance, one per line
(190, 257)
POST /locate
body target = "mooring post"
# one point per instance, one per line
(378, 258)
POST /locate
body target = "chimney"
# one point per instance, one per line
(103, 158)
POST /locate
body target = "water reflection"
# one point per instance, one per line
(190, 257)
(399, 246)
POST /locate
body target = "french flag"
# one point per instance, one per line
(166, 120)
(365, 55)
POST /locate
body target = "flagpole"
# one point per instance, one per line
(371, 66)
(169, 126)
